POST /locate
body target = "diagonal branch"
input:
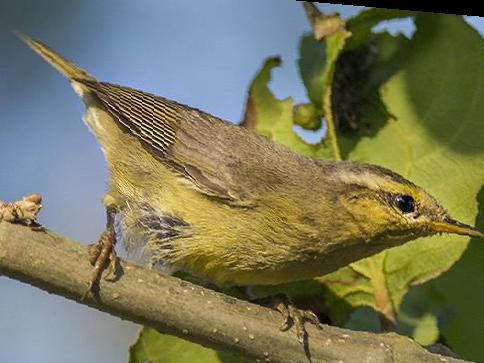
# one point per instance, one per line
(170, 305)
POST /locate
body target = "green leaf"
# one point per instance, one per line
(462, 292)
(273, 118)
(361, 24)
(358, 108)
(312, 67)
(155, 347)
(346, 290)
(426, 331)
(423, 314)
(435, 140)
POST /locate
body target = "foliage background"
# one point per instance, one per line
(200, 53)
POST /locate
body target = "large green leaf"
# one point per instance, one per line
(155, 347)
(435, 140)
(362, 24)
(462, 290)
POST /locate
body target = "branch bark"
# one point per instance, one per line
(58, 265)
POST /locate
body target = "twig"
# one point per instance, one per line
(170, 305)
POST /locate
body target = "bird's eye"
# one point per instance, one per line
(405, 203)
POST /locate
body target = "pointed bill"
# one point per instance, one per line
(452, 226)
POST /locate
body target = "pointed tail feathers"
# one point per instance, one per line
(66, 68)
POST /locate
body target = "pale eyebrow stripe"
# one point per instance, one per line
(367, 180)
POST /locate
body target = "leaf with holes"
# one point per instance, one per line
(361, 25)
(273, 118)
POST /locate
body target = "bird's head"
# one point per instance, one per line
(384, 206)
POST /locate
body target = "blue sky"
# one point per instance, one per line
(202, 53)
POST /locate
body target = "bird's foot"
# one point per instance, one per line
(102, 254)
(23, 211)
(292, 316)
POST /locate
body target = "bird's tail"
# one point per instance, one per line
(97, 117)
(66, 68)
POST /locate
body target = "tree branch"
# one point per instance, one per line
(170, 305)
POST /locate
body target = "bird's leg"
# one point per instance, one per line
(102, 254)
(294, 316)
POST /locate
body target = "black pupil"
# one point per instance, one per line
(405, 203)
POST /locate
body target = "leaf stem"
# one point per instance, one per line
(383, 304)
(331, 127)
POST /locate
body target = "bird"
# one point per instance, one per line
(209, 197)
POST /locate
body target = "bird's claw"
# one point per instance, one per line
(294, 316)
(102, 255)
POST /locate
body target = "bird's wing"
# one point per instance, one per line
(192, 143)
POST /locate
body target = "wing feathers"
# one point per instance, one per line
(187, 140)
(150, 118)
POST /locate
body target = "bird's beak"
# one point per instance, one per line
(450, 225)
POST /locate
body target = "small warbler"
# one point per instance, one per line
(218, 201)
